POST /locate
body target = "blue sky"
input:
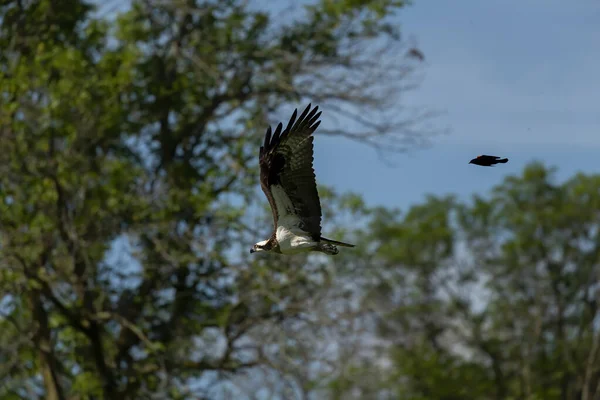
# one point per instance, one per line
(515, 78)
(519, 79)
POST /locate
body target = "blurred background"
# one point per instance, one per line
(130, 198)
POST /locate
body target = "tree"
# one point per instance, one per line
(128, 163)
(492, 299)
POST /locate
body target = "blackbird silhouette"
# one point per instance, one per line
(488, 161)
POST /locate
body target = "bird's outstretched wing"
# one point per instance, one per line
(286, 162)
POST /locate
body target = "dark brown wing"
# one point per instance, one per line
(286, 159)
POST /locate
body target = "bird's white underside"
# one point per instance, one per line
(291, 238)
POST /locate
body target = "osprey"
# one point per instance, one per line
(287, 178)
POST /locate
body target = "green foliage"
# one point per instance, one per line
(496, 298)
(128, 172)
(128, 166)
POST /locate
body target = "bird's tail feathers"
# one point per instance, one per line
(503, 160)
(336, 242)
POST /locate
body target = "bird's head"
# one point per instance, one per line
(260, 246)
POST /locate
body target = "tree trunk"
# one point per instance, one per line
(43, 342)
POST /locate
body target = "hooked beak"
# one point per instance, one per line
(252, 251)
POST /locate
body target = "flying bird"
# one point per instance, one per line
(416, 53)
(288, 180)
(487, 161)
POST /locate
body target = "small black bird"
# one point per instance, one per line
(488, 161)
